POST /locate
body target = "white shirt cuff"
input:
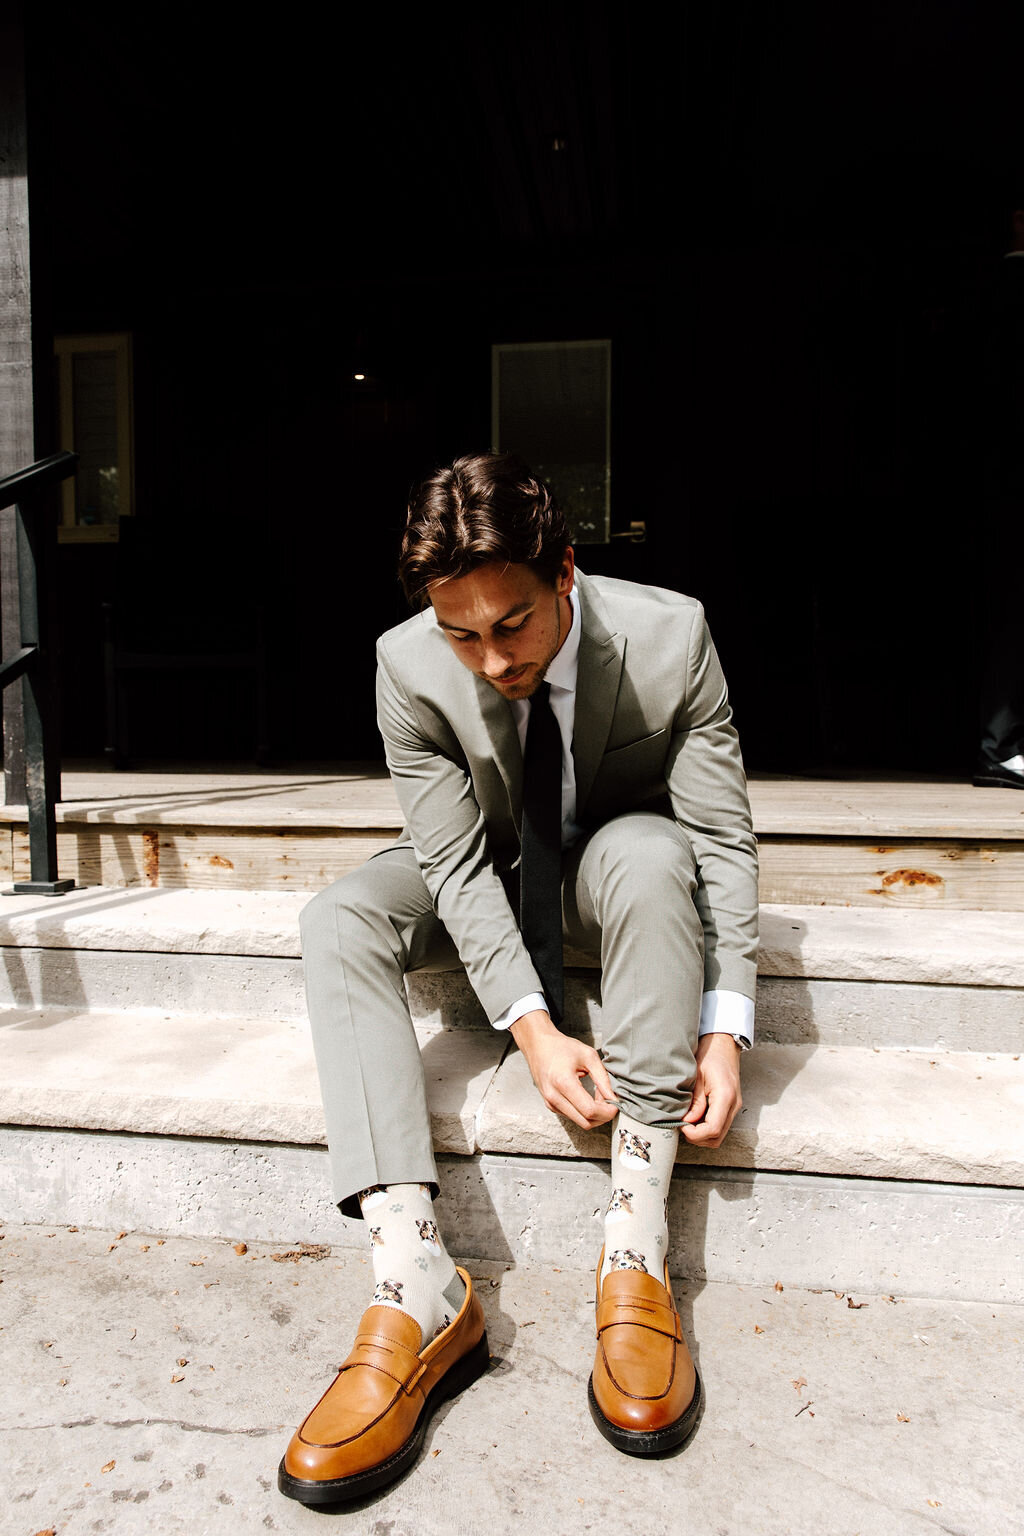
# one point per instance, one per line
(525, 1004)
(728, 1013)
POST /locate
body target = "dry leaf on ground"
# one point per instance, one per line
(314, 1251)
(241, 1248)
(109, 1466)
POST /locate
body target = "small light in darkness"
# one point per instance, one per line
(359, 376)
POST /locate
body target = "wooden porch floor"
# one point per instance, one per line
(360, 795)
(861, 842)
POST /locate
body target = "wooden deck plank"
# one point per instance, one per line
(360, 795)
(218, 859)
(965, 875)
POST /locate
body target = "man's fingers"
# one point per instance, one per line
(698, 1108)
(588, 1111)
(598, 1074)
(721, 1110)
(700, 1135)
(562, 1105)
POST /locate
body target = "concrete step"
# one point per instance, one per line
(847, 1166)
(157, 1071)
(833, 975)
(948, 1116)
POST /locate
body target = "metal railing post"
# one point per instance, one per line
(34, 664)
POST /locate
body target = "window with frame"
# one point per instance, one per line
(94, 393)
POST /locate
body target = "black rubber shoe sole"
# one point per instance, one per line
(997, 777)
(638, 1442)
(342, 1490)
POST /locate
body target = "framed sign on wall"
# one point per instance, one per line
(94, 392)
(551, 404)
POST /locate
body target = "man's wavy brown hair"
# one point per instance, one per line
(488, 508)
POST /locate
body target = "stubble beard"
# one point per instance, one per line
(527, 686)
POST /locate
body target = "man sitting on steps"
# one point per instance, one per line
(563, 751)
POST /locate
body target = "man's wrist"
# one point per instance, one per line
(723, 1012)
(527, 1004)
(530, 1026)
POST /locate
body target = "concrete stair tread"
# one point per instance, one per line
(950, 1116)
(852, 943)
(945, 1116)
(196, 1075)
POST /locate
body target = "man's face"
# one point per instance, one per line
(505, 623)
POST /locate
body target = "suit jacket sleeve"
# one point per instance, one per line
(708, 788)
(449, 835)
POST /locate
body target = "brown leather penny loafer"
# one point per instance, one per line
(369, 1425)
(644, 1392)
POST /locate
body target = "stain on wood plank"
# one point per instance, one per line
(151, 858)
(215, 859)
(954, 875)
(962, 876)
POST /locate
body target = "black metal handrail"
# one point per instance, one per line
(26, 491)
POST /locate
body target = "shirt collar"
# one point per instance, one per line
(561, 672)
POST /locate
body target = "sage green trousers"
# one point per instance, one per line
(627, 897)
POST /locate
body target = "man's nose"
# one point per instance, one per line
(495, 662)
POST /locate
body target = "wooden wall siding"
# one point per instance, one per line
(834, 871)
(17, 438)
(962, 875)
(209, 859)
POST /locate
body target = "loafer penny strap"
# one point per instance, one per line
(381, 1353)
(641, 1313)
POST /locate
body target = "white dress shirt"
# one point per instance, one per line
(721, 1011)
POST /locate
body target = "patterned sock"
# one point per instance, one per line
(636, 1221)
(411, 1267)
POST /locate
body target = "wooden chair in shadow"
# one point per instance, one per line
(187, 610)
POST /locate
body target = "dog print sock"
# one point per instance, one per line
(411, 1267)
(636, 1221)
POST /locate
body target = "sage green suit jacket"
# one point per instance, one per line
(653, 731)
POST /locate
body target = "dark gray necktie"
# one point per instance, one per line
(540, 873)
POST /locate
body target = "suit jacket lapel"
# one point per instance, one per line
(597, 686)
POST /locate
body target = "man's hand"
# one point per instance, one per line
(716, 1091)
(557, 1064)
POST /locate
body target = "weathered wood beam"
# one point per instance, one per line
(17, 446)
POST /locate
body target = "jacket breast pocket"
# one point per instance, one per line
(629, 776)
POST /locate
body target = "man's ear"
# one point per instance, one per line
(567, 574)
